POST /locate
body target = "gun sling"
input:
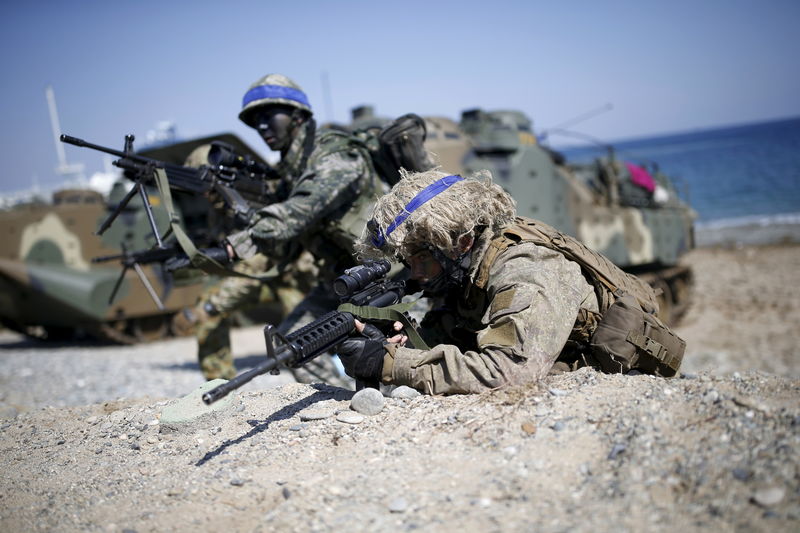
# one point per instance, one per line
(393, 313)
(197, 258)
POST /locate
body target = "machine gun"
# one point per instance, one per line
(362, 289)
(240, 181)
(233, 177)
(172, 256)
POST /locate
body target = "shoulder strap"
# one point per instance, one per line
(608, 279)
(308, 144)
(330, 141)
(497, 246)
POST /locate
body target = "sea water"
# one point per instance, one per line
(747, 174)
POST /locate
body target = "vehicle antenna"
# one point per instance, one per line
(577, 120)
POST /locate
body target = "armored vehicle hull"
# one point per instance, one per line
(51, 289)
(49, 286)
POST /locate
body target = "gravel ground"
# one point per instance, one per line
(587, 452)
(37, 374)
(714, 450)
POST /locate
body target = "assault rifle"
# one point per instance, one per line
(365, 286)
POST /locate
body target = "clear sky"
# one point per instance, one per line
(121, 67)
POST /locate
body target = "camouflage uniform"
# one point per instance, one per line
(328, 192)
(326, 206)
(212, 315)
(211, 318)
(511, 331)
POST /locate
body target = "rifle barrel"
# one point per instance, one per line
(223, 390)
(84, 144)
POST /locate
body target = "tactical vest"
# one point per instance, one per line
(332, 243)
(628, 335)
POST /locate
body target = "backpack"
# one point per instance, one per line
(398, 144)
(629, 335)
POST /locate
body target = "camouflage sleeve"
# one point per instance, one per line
(535, 295)
(330, 183)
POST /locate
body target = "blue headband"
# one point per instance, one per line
(437, 187)
(275, 91)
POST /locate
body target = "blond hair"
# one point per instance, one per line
(473, 202)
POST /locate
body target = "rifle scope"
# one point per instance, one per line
(356, 278)
(223, 154)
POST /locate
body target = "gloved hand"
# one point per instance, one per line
(362, 355)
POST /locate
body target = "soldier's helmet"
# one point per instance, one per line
(270, 90)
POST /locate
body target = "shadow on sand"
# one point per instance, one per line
(323, 392)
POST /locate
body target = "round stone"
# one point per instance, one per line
(769, 496)
(349, 417)
(368, 402)
(404, 392)
(398, 505)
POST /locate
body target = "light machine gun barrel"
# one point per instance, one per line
(172, 257)
(236, 179)
(222, 159)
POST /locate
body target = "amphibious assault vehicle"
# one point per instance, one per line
(51, 289)
(627, 210)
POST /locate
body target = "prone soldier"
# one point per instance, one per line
(514, 298)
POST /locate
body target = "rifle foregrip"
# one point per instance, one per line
(325, 332)
(301, 346)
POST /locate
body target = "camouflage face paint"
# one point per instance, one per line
(274, 124)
